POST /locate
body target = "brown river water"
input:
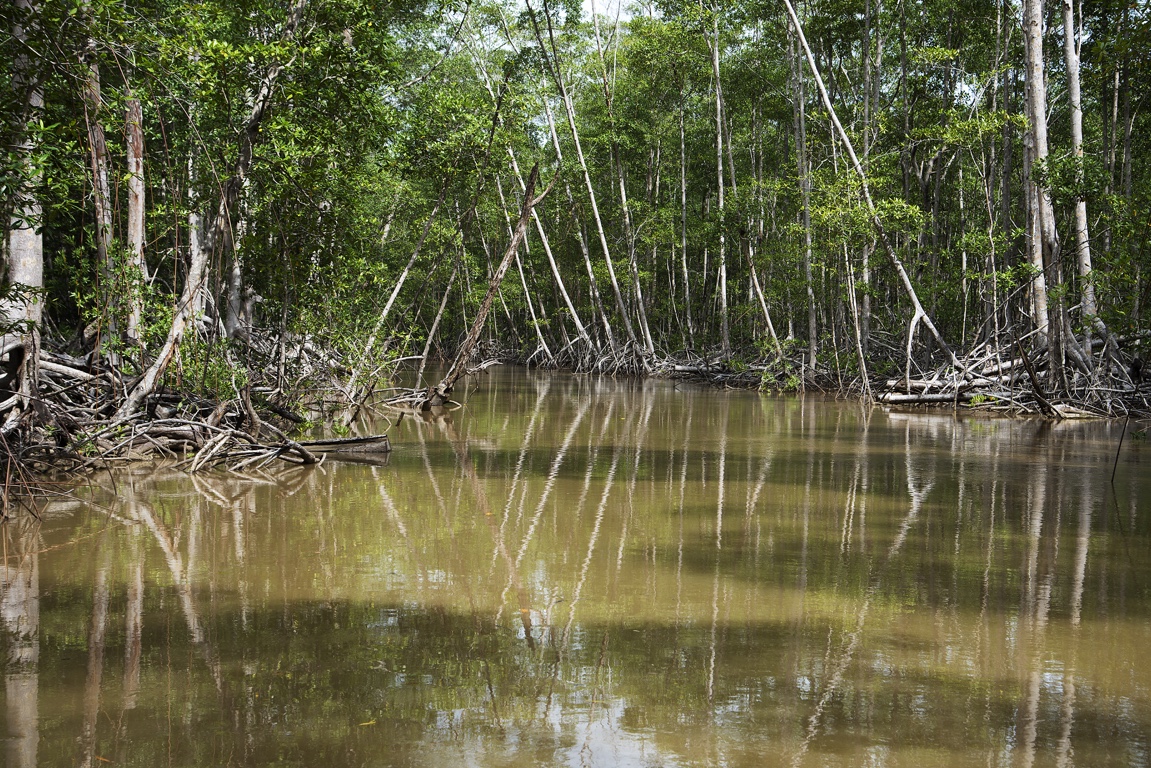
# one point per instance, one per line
(575, 571)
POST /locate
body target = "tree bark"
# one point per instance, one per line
(101, 195)
(725, 332)
(134, 130)
(683, 221)
(1045, 257)
(1043, 243)
(802, 165)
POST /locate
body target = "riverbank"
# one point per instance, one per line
(242, 407)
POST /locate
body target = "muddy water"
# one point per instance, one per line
(575, 571)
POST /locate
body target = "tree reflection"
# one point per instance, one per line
(20, 613)
(581, 571)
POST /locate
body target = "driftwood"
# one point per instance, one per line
(367, 444)
(75, 426)
(1017, 380)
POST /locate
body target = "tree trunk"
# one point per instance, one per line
(762, 301)
(197, 270)
(20, 311)
(725, 332)
(1082, 245)
(581, 329)
(802, 165)
(569, 108)
(101, 196)
(236, 323)
(436, 324)
(374, 335)
(621, 176)
(593, 285)
(1044, 253)
(683, 222)
(438, 395)
(633, 265)
(523, 280)
(138, 269)
(199, 309)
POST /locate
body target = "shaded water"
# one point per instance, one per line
(578, 571)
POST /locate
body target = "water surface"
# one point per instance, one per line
(579, 571)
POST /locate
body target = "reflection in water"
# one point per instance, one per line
(20, 613)
(580, 571)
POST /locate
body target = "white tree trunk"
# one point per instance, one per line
(683, 222)
(21, 312)
(593, 284)
(1082, 243)
(374, 335)
(580, 328)
(133, 123)
(725, 331)
(1044, 242)
(569, 109)
(803, 168)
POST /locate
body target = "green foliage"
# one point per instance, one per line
(209, 369)
(385, 112)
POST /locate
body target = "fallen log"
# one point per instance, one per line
(367, 444)
(923, 397)
(64, 370)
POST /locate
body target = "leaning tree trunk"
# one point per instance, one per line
(438, 395)
(569, 108)
(593, 285)
(584, 334)
(581, 329)
(920, 314)
(528, 294)
(621, 176)
(198, 268)
(365, 354)
(21, 310)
